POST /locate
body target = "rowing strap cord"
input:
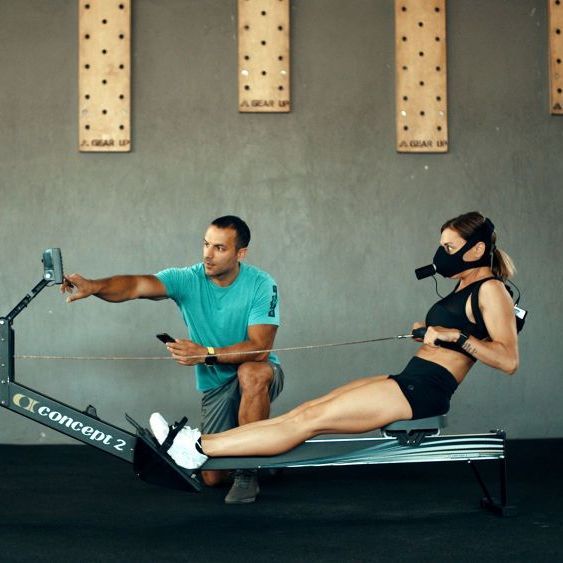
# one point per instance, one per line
(200, 356)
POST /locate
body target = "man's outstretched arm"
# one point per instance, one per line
(114, 289)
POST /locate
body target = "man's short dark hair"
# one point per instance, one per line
(238, 225)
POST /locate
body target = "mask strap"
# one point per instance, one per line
(484, 233)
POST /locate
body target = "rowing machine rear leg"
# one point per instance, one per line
(500, 508)
(488, 502)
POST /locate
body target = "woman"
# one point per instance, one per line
(461, 328)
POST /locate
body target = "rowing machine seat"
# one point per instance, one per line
(412, 432)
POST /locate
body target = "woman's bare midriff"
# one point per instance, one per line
(456, 363)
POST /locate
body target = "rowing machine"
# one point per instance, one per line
(402, 442)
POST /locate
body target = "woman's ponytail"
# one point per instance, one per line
(503, 266)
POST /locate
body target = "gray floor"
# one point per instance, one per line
(71, 503)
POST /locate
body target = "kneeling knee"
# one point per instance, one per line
(253, 380)
(214, 478)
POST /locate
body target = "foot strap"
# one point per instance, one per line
(174, 429)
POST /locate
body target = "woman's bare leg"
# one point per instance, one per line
(330, 395)
(355, 408)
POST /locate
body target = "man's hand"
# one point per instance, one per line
(77, 287)
(182, 350)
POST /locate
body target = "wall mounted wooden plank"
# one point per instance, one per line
(104, 75)
(421, 77)
(263, 55)
(556, 56)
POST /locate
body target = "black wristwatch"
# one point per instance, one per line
(211, 358)
(462, 339)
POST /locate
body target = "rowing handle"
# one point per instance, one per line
(419, 332)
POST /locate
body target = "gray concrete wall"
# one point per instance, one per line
(338, 217)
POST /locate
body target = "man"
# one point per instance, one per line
(228, 306)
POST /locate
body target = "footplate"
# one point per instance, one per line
(156, 467)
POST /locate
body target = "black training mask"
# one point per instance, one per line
(449, 265)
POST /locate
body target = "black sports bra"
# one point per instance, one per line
(449, 312)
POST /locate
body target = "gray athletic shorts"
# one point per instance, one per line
(219, 406)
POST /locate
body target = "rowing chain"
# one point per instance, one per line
(201, 356)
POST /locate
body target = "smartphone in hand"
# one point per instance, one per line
(165, 337)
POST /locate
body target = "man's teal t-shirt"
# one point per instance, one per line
(220, 316)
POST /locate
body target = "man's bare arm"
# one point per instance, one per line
(114, 289)
(260, 337)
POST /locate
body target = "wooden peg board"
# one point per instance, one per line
(104, 75)
(556, 56)
(421, 78)
(263, 55)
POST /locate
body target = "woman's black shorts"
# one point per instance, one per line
(427, 386)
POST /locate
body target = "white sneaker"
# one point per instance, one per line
(182, 450)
